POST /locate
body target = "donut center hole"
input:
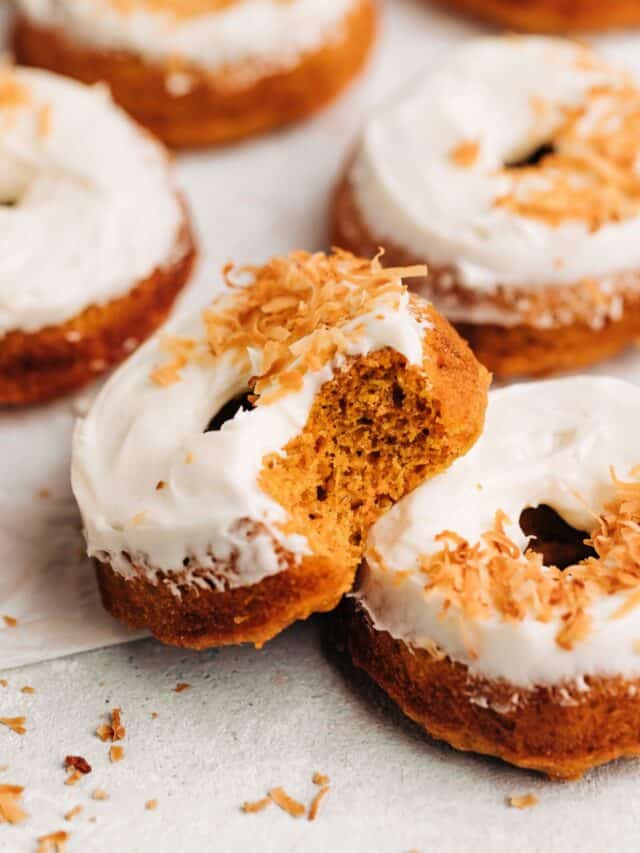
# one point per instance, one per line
(559, 543)
(230, 410)
(532, 158)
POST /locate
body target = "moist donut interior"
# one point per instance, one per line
(240, 403)
(373, 434)
(560, 544)
(532, 158)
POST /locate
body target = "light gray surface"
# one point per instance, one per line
(252, 720)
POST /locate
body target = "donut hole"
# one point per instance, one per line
(560, 544)
(532, 158)
(240, 403)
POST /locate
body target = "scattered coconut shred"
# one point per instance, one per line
(10, 809)
(16, 724)
(54, 842)
(292, 807)
(290, 299)
(526, 801)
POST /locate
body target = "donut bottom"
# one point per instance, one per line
(37, 367)
(555, 16)
(213, 110)
(376, 430)
(507, 351)
(560, 730)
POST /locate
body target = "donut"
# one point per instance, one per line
(203, 72)
(498, 604)
(551, 16)
(228, 472)
(511, 171)
(95, 242)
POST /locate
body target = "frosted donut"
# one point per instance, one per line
(200, 72)
(551, 15)
(512, 171)
(460, 614)
(95, 243)
(212, 524)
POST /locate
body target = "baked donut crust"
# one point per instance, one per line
(36, 367)
(558, 730)
(214, 111)
(554, 16)
(507, 351)
(399, 424)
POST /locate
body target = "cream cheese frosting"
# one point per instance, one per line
(87, 204)
(548, 443)
(430, 172)
(271, 33)
(139, 434)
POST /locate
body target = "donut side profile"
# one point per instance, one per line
(551, 16)
(228, 473)
(197, 73)
(499, 604)
(512, 173)
(95, 241)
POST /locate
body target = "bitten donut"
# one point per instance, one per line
(551, 15)
(95, 243)
(513, 172)
(200, 72)
(228, 473)
(499, 604)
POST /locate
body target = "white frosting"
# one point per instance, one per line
(409, 189)
(544, 443)
(87, 205)
(138, 433)
(266, 32)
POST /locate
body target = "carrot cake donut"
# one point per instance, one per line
(200, 72)
(95, 243)
(228, 473)
(513, 172)
(499, 603)
(551, 15)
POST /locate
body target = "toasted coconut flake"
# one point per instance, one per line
(116, 753)
(151, 805)
(493, 575)
(10, 621)
(74, 812)
(320, 779)
(287, 803)
(315, 803)
(54, 842)
(465, 154)
(28, 689)
(73, 778)
(10, 808)
(16, 724)
(99, 794)
(113, 731)
(589, 174)
(526, 801)
(257, 806)
(181, 686)
(291, 310)
(4, 682)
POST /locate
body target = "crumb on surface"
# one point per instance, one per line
(54, 842)
(320, 779)
(99, 794)
(16, 724)
(257, 806)
(73, 778)
(151, 805)
(10, 621)
(315, 802)
(525, 801)
(77, 762)
(10, 809)
(114, 730)
(287, 803)
(116, 753)
(74, 812)
(27, 689)
(181, 686)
